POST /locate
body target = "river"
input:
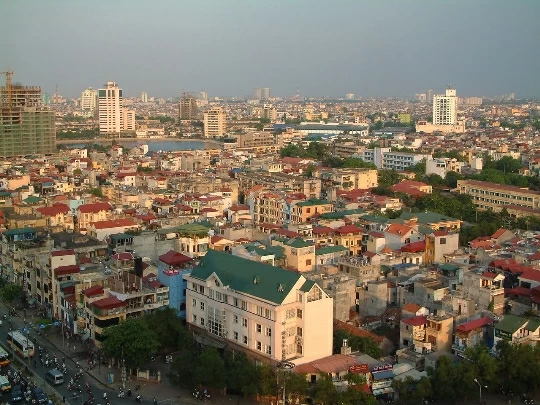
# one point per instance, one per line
(155, 145)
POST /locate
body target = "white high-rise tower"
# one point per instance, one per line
(89, 102)
(445, 108)
(110, 109)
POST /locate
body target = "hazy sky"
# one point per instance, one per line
(228, 47)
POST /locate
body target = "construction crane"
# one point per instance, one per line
(8, 75)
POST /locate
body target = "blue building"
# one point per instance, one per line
(171, 268)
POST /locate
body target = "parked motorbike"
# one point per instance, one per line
(168, 359)
(138, 399)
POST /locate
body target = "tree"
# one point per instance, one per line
(519, 367)
(170, 331)
(10, 292)
(443, 379)
(210, 369)
(324, 392)
(182, 367)
(97, 192)
(133, 339)
(241, 375)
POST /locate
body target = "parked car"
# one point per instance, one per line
(17, 394)
(40, 396)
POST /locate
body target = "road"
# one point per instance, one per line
(97, 389)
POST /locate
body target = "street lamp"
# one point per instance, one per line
(284, 366)
(480, 386)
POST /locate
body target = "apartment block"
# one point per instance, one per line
(487, 195)
(385, 158)
(255, 139)
(215, 123)
(266, 312)
(311, 188)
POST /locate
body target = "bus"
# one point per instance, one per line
(4, 358)
(20, 344)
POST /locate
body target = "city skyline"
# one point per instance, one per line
(371, 49)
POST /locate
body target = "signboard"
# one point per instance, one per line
(502, 334)
(384, 367)
(377, 385)
(359, 369)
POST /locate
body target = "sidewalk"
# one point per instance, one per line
(164, 391)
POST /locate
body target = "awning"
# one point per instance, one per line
(31, 301)
(387, 390)
(85, 336)
(382, 375)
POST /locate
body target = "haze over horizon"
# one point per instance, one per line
(377, 48)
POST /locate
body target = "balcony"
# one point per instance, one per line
(459, 348)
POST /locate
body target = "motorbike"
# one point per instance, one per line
(168, 359)
(138, 399)
(121, 394)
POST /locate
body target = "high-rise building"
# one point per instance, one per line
(257, 93)
(187, 108)
(26, 125)
(89, 102)
(265, 93)
(110, 109)
(445, 108)
(128, 120)
(144, 97)
(203, 95)
(215, 123)
(349, 96)
(429, 96)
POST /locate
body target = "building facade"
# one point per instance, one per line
(110, 109)
(89, 102)
(215, 123)
(26, 125)
(187, 108)
(445, 108)
(266, 312)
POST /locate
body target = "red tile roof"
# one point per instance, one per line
(414, 247)
(499, 233)
(411, 307)
(114, 223)
(93, 291)
(94, 208)
(64, 270)
(53, 210)
(174, 258)
(64, 252)
(475, 324)
(415, 320)
(533, 275)
(349, 229)
(398, 229)
(109, 303)
(339, 325)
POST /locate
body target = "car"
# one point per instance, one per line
(39, 396)
(17, 394)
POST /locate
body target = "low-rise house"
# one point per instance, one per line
(101, 230)
(300, 254)
(93, 212)
(172, 266)
(517, 330)
(472, 333)
(486, 288)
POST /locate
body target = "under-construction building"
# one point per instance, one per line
(187, 108)
(26, 126)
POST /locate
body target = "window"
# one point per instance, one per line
(244, 339)
(194, 318)
(211, 293)
(290, 313)
(219, 296)
(259, 328)
(443, 241)
(201, 289)
(268, 332)
(202, 321)
(299, 349)
(235, 302)
(244, 305)
(299, 313)
(268, 349)
(299, 331)
(259, 346)
(268, 314)
(202, 306)
(308, 262)
(194, 302)
(235, 318)
(259, 310)
(244, 322)
(235, 336)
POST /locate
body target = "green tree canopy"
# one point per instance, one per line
(10, 291)
(210, 369)
(133, 339)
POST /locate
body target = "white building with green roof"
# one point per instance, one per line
(267, 312)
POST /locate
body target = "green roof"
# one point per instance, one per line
(32, 199)
(532, 325)
(510, 323)
(246, 276)
(313, 201)
(18, 231)
(449, 267)
(307, 285)
(330, 249)
(298, 243)
(426, 217)
(277, 251)
(375, 218)
(186, 229)
(341, 214)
